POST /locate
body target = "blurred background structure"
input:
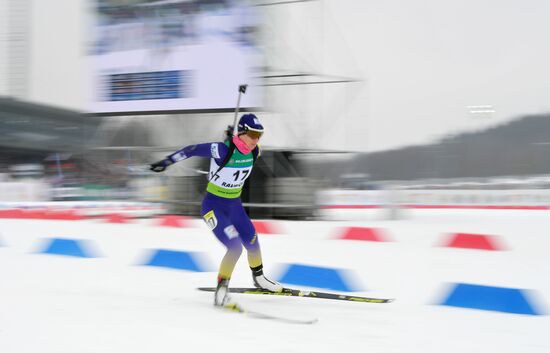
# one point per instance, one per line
(362, 101)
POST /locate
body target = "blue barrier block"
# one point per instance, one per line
(179, 260)
(66, 247)
(318, 277)
(507, 300)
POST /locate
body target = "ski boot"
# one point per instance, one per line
(260, 281)
(221, 295)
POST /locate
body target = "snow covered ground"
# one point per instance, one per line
(112, 303)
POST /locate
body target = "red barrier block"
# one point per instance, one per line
(117, 218)
(474, 241)
(69, 215)
(36, 214)
(266, 227)
(64, 215)
(23, 214)
(11, 213)
(363, 233)
(172, 221)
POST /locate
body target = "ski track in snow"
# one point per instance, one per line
(112, 304)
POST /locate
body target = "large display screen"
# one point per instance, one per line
(175, 55)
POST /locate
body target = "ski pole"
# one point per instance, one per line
(242, 89)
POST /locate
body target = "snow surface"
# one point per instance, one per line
(113, 304)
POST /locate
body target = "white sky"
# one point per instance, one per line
(423, 62)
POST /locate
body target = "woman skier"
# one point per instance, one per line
(231, 163)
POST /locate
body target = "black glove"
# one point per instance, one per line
(160, 166)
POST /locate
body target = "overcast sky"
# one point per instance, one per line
(423, 63)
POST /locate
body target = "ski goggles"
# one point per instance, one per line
(251, 132)
(254, 133)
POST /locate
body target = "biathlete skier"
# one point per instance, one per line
(231, 164)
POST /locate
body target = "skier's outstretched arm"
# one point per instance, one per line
(216, 150)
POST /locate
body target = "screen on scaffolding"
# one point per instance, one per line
(174, 55)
